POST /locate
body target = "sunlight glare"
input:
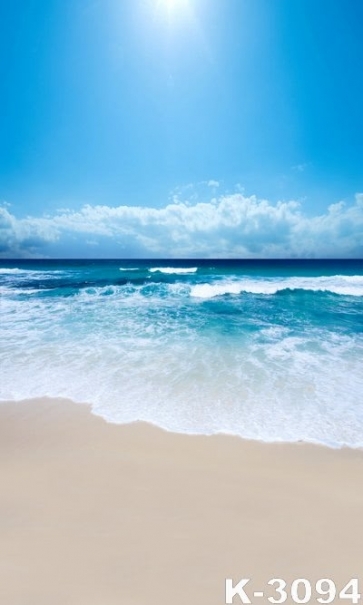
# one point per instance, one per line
(172, 5)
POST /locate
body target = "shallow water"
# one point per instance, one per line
(267, 350)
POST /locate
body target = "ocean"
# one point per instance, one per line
(268, 350)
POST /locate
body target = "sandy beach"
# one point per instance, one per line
(99, 514)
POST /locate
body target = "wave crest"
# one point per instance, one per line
(345, 285)
(176, 270)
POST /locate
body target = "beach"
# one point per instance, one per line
(94, 513)
(181, 302)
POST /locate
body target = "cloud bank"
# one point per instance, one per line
(228, 226)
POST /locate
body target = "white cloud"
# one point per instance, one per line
(300, 167)
(24, 237)
(228, 226)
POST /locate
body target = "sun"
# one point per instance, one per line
(175, 14)
(172, 5)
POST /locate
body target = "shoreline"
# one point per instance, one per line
(89, 407)
(96, 513)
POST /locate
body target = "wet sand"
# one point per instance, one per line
(99, 514)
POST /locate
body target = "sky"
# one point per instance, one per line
(181, 128)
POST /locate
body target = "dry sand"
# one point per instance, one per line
(99, 514)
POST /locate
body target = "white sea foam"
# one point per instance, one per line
(276, 390)
(30, 273)
(129, 269)
(15, 270)
(136, 295)
(6, 291)
(149, 352)
(176, 270)
(337, 284)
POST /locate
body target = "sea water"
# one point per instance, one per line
(268, 350)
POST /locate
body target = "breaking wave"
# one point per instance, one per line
(174, 270)
(346, 285)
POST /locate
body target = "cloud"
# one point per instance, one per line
(300, 167)
(228, 226)
(25, 237)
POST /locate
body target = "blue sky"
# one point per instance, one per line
(181, 128)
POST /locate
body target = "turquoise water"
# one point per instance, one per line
(267, 350)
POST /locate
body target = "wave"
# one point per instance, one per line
(143, 292)
(28, 272)
(345, 285)
(10, 292)
(14, 271)
(339, 285)
(129, 269)
(171, 270)
(137, 346)
(192, 385)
